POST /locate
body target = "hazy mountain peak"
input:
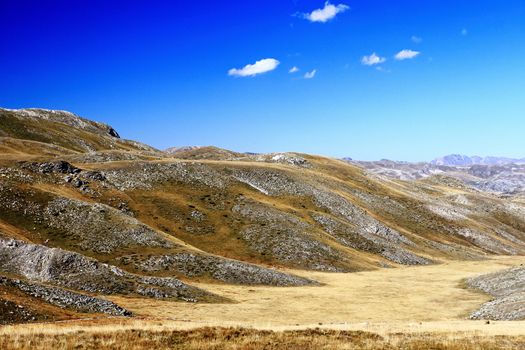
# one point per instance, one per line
(463, 160)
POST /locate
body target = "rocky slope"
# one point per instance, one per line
(508, 289)
(83, 211)
(64, 298)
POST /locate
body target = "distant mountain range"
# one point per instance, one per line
(499, 175)
(463, 160)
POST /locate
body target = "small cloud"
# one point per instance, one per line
(416, 39)
(464, 31)
(381, 69)
(310, 75)
(406, 55)
(294, 69)
(328, 12)
(372, 59)
(259, 67)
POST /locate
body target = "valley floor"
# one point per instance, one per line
(406, 294)
(425, 305)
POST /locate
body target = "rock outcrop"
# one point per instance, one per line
(508, 290)
(63, 298)
(74, 271)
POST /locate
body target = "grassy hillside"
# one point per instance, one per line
(75, 197)
(34, 131)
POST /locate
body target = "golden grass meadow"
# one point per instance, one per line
(403, 308)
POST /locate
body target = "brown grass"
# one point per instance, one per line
(404, 308)
(404, 294)
(243, 338)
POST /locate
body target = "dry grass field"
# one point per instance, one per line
(404, 294)
(404, 308)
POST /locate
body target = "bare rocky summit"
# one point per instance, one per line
(56, 131)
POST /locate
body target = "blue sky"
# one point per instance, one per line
(170, 73)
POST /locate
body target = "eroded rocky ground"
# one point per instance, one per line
(508, 290)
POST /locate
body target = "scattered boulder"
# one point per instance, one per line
(64, 298)
(58, 166)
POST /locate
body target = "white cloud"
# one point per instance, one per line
(372, 59)
(464, 31)
(406, 54)
(294, 69)
(328, 12)
(259, 67)
(310, 75)
(416, 39)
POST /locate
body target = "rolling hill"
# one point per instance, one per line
(85, 214)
